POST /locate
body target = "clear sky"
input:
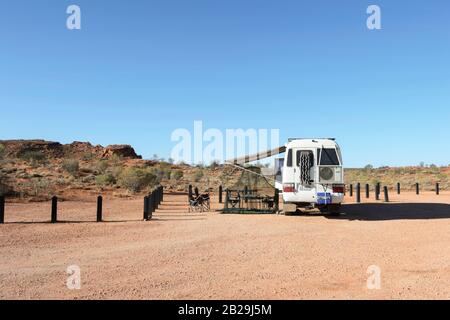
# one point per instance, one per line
(137, 70)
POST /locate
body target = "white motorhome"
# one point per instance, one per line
(310, 176)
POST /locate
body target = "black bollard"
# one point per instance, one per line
(437, 189)
(276, 199)
(358, 192)
(227, 199)
(190, 194)
(157, 194)
(386, 194)
(99, 209)
(146, 208)
(155, 200)
(245, 194)
(220, 194)
(398, 188)
(162, 193)
(377, 192)
(54, 210)
(2, 209)
(151, 205)
(351, 190)
(417, 188)
(367, 191)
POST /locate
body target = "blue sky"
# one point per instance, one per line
(140, 69)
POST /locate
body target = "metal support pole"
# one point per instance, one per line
(417, 188)
(437, 189)
(367, 191)
(220, 194)
(351, 190)
(398, 188)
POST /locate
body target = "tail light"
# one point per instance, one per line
(288, 187)
(338, 188)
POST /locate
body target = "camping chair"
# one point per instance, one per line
(205, 201)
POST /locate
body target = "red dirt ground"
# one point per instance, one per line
(180, 255)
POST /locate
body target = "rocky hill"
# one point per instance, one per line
(36, 170)
(56, 150)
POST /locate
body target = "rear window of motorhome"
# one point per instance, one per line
(327, 157)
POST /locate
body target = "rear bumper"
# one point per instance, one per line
(310, 197)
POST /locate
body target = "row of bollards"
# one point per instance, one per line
(54, 209)
(152, 202)
(385, 191)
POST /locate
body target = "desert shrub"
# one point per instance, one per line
(198, 175)
(161, 172)
(116, 171)
(106, 179)
(102, 166)
(87, 156)
(2, 151)
(72, 166)
(135, 179)
(115, 160)
(176, 175)
(33, 157)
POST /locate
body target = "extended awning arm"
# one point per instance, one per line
(257, 156)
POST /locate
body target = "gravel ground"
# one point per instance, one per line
(179, 255)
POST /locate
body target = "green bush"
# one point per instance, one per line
(106, 179)
(71, 166)
(116, 171)
(198, 175)
(135, 179)
(33, 157)
(87, 156)
(176, 175)
(2, 151)
(102, 166)
(115, 160)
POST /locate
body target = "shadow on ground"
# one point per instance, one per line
(394, 211)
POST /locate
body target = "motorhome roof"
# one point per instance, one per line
(311, 143)
(293, 139)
